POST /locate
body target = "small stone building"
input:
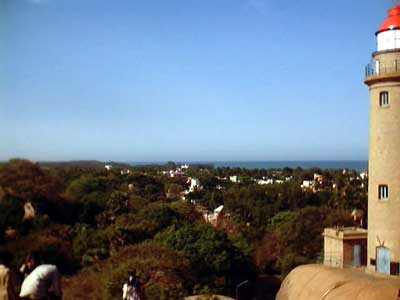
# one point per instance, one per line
(345, 247)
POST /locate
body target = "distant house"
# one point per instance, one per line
(185, 166)
(218, 210)
(318, 178)
(108, 167)
(364, 175)
(214, 218)
(308, 184)
(125, 172)
(265, 181)
(234, 179)
(194, 184)
(174, 173)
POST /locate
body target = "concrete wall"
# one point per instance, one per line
(333, 252)
(340, 253)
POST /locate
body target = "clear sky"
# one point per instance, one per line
(182, 80)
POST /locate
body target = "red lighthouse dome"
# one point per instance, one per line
(392, 21)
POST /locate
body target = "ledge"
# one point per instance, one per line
(369, 80)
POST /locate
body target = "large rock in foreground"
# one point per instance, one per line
(318, 282)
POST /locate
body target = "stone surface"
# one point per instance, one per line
(317, 282)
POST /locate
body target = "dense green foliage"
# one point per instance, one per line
(218, 262)
(98, 225)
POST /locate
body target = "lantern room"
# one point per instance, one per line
(388, 34)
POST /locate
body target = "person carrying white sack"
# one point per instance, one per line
(37, 284)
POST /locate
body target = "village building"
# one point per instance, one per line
(265, 181)
(345, 247)
(125, 172)
(318, 178)
(194, 184)
(215, 217)
(234, 179)
(308, 184)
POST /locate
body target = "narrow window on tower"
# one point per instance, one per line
(383, 192)
(383, 99)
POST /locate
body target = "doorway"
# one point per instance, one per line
(383, 260)
(356, 255)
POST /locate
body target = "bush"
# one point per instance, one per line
(11, 214)
(163, 273)
(89, 244)
(54, 244)
(217, 263)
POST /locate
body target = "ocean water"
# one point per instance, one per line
(359, 166)
(353, 165)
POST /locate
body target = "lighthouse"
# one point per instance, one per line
(383, 80)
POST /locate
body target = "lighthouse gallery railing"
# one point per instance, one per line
(379, 68)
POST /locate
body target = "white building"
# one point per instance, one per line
(194, 185)
(265, 181)
(214, 217)
(307, 184)
(318, 178)
(234, 179)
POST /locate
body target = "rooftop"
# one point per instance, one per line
(346, 233)
(392, 21)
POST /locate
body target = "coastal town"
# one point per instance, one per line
(112, 216)
(190, 81)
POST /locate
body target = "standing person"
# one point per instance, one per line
(37, 284)
(29, 264)
(7, 291)
(131, 289)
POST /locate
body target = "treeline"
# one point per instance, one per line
(282, 222)
(98, 225)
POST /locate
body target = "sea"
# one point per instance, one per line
(358, 165)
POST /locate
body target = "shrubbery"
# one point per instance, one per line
(97, 226)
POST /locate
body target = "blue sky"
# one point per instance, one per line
(185, 80)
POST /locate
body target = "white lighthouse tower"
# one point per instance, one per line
(383, 80)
